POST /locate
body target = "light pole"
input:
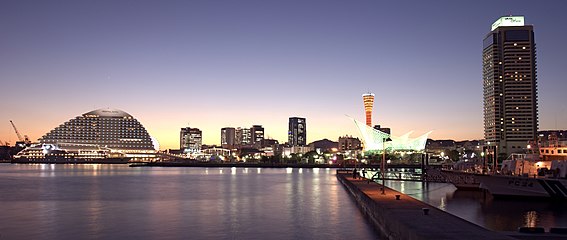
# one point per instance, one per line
(483, 161)
(383, 165)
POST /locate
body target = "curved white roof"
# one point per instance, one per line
(108, 112)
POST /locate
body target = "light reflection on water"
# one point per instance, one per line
(479, 208)
(115, 201)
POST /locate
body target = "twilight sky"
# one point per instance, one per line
(211, 64)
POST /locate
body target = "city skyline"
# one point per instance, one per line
(208, 65)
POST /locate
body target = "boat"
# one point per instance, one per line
(68, 153)
(544, 177)
(502, 186)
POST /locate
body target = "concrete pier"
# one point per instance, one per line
(408, 218)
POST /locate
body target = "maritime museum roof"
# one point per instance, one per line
(374, 140)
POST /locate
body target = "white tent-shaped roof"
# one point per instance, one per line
(374, 140)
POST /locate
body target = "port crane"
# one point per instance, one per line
(24, 139)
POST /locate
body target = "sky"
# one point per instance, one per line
(218, 63)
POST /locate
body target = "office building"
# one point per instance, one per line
(228, 137)
(257, 135)
(510, 86)
(297, 133)
(190, 139)
(243, 137)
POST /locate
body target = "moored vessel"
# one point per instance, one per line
(544, 177)
(69, 153)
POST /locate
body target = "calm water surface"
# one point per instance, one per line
(494, 214)
(117, 202)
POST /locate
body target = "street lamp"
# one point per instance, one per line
(483, 161)
(383, 165)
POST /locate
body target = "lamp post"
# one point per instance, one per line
(383, 165)
(483, 161)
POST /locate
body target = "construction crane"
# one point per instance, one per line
(24, 139)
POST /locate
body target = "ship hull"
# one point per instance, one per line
(73, 160)
(524, 187)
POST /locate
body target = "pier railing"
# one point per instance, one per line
(459, 179)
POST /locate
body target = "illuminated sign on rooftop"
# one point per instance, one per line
(508, 21)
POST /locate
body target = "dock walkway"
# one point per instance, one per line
(406, 218)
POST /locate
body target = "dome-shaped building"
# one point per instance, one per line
(103, 135)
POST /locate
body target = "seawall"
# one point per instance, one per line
(405, 218)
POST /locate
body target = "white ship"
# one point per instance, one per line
(545, 177)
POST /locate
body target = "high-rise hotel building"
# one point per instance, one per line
(510, 86)
(99, 136)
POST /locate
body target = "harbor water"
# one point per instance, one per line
(480, 208)
(93, 201)
(90, 201)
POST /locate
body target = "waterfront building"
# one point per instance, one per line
(509, 86)
(257, 135)
(289, 150)
(94, 137)
(228, 137)
(297, 131)
(551, 144)
(544, 136)
(267, 142)
(376, 140)
(243, 136)
(213, 152)
(324, 145)
(441, 145)
(190, 140)
(368, 99)
(349, 143)
(270, 147)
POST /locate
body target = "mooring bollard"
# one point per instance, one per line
(425, 211)
(397, 196)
